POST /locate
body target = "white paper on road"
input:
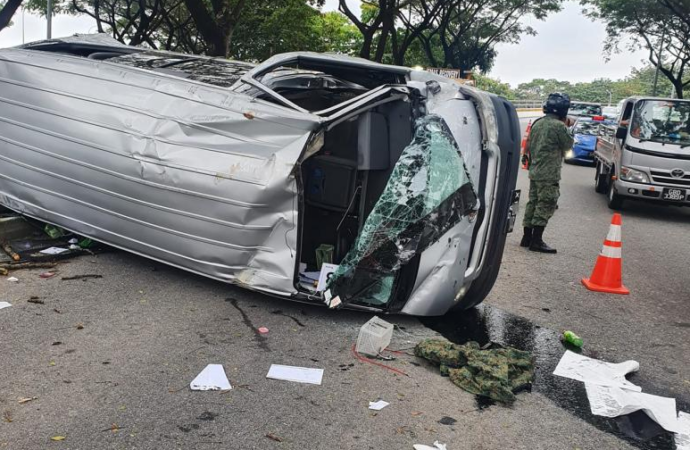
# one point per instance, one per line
(212, 378)
(437, 446)
(296, 374)
(378, 406)
(54, 251)
(593, 371)
(5, 305)
(683, 434)
(610, 401)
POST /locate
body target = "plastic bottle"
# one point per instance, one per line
(572, 339)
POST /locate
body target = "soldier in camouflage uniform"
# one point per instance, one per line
(495, 373)
(548, 142)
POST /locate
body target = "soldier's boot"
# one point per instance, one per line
(538, 244)
(527, 237)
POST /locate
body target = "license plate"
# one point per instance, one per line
(675, 195)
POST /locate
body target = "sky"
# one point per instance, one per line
(568, 46)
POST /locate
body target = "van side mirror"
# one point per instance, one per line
(622, 132)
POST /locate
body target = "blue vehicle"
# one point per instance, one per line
(585, 133)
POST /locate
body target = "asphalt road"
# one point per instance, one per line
(109, 360)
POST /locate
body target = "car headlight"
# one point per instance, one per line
(637, 176)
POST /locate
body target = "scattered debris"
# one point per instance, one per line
(273, 437)
(594, 371)
(546, 309)
(7, 416)
(378, 405)
(28, 265)
(4, 272)
(53, 250)
(48, 274)
(263, 330)
(58, 438)
(416, 413)
(56, 343)
(80, 326)
(212, 378)
(114, 428)
(5, 305)
(445, 420)
(572, 339)
(610, 401)
(683, 437)
(295, 374)
(494, 373)
(437, 446)
(36, 300)
(374, 336)
(369, 361)
(23, 400)
(11, 253)
(82, 277)
(13, 279)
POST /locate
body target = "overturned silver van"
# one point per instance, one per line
(241, 172)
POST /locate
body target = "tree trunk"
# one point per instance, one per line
(365, 51)
(678, 87)
(8, 11)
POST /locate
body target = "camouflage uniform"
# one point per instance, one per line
(495, 373)
(549, 140)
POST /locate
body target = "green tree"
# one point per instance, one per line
(494, 86)
(661, 27)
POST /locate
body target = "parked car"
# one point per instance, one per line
(585, 132)
(644, 154)
(584, 109)
(256, 174)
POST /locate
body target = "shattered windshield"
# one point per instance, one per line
(583, 109)
(664, 121)
(588, 128)
(428, 192)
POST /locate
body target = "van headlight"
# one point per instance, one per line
(636, 176)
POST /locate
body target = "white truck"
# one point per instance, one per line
(645, 154)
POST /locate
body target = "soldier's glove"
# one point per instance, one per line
(525, 160)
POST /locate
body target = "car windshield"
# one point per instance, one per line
(589, 128)
(582, 109)
(665, 121)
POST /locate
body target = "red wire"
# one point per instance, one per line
(367, 360)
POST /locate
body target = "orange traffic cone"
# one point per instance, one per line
(607, 273)
(523, 145)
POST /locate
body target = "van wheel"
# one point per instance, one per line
(600, 179)
(615, 200)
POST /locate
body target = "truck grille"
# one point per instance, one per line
(664, 177)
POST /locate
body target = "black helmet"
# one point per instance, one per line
(557, 104)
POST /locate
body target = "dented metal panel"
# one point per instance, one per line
(189, 174)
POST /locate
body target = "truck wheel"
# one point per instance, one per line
(600, 179)
(615, 201)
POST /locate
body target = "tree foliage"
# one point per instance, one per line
(660, 27)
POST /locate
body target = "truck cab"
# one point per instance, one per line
(645, 153)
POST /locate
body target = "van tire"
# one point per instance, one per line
(615, 201)
(600, 179)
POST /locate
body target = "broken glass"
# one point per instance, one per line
(429, 191)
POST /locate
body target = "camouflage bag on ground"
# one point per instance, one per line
(494, 373)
